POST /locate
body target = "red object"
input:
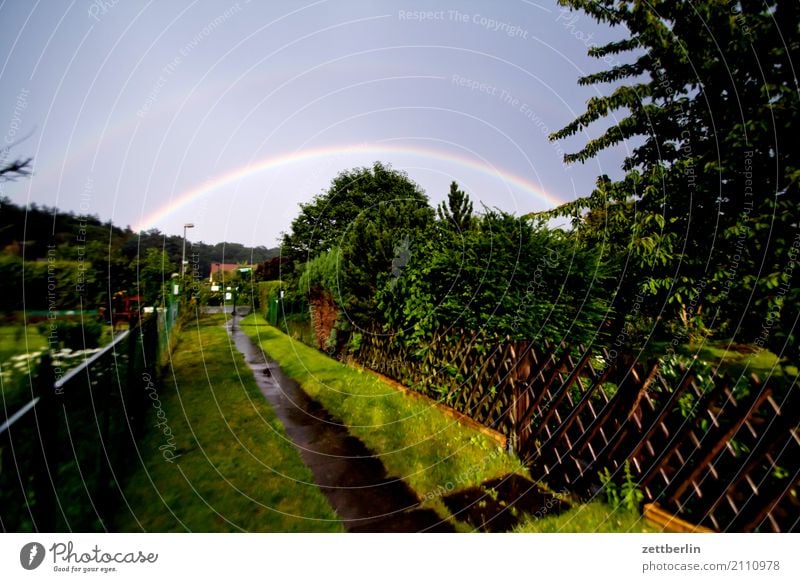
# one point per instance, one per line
(130, 309)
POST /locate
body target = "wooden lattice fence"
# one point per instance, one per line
(723, 454)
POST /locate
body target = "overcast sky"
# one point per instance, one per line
(227, 115)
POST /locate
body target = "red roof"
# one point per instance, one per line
(219, 267)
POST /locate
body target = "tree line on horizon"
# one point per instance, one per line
(87, 260)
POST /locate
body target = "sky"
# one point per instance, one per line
(228, 115)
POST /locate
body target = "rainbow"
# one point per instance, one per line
(279, 161)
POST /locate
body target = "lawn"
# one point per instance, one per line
(733, 360)
(415, 440)
(592, 517)
(15, 341)
(234, 468)
(21, 347)
(738, 360)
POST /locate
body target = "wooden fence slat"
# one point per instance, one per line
(678, 437)
(776, 437)
(548, 386)
(767, 503)
(538, 373)
(607, 413)
(687, 475)
(657, 424)
(574, 412)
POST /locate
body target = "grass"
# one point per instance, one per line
(415, 441)
(592, 517)
(735, 360)
(299, 328)
(21, 346)
(16, 340)
(739, 359)
(236, 469)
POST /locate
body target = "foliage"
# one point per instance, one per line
(323, 223)
(99, 256)
(271, 269)
(370, 248)
(321, 274)
(268, 291)
(73, 335)
(345, 240)
(504, 276)
(53, 284)
(373, 243)
(154, 271)
(457, 211)
(708, 94)
(627, 496)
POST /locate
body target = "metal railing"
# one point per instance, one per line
(65, 454)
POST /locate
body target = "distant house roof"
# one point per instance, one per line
(220, 267)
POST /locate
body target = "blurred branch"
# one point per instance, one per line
(16, 169)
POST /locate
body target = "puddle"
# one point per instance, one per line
(501, 504)
(354, 481)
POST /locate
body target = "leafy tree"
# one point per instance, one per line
(351, 234)
(271, 269)
(54, 284)
(377, 242)
(708, 89)
(323, 222)
(154, 270)
(10, 283)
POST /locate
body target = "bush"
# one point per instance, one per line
(73, 334)
(504, 276)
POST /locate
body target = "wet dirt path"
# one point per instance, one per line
(353, 480)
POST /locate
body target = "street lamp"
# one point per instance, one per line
(183, 258)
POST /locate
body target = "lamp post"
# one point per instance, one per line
(183, 258)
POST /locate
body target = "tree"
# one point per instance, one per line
(708, 88)
(323, 222)
(154, 270)
(271, 269)
(359, 224)
(378, 241)
(457, 211)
